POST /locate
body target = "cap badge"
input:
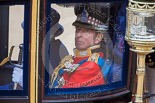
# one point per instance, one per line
(84, 17)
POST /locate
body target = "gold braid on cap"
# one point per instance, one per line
(61, 65)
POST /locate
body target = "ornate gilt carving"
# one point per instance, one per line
(140, 67)
(141, 5)
(140, 72)
(139, 99)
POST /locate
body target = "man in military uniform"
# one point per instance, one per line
(85, 68)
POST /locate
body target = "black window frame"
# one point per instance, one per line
(20, 96)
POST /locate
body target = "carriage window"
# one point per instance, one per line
(14, 50)
(16, 29)
(84, 48)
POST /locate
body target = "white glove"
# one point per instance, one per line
(17, 76)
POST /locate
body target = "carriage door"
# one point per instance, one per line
(17, 66)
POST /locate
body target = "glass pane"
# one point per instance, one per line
(14, 57)
(16, 29)
(92, 34)
(142, 27)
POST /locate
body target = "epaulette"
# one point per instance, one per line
(94, 57)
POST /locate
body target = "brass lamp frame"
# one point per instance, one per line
(141, 47)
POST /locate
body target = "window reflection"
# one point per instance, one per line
(94, 38)
(12, 33)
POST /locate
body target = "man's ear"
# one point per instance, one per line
(98, 38)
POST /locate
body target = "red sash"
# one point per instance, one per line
(87, 74)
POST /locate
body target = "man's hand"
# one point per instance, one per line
(17, 76)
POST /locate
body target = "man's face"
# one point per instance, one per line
(85, 38)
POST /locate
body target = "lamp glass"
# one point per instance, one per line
(142, 27)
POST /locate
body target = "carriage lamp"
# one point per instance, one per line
(140, 35)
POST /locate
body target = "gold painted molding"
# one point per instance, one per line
(140, 74)
(34, 51)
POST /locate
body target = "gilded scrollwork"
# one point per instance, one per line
(140, 67)
(140, 72)
(139, 99)
(141, 5)
(136, 43)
